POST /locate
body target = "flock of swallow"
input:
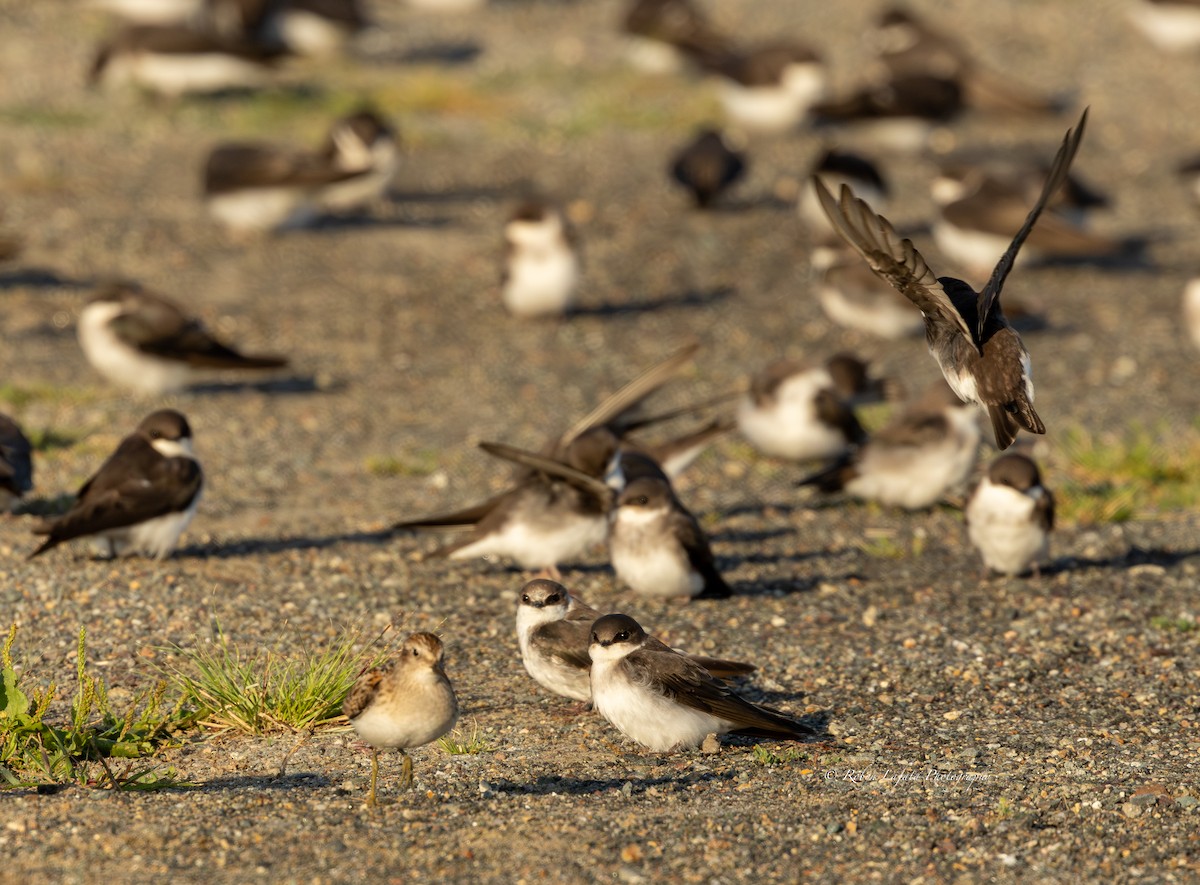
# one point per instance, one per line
(597, 484)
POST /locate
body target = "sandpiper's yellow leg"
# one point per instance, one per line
(374, 776)
(406, 777)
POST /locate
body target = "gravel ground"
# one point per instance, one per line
(980, 729)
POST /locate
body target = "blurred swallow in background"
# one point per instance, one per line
(145, 342)
(663, 35)
(16, 464)
(915, 460)
(769, 88)
(541, 263)
(1010, 514)
(835, 168)
(708, 166)
(855, 297)
(141, 499)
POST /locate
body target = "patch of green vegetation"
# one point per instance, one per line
(34, 752)
(764, 755)
(1118, 476)
(1181, 624)
(882, 547)
(1004, 808)
(18, 396)
(266, 691)
(50, 438)
(422, 462)
(43, 117)
(459, 743)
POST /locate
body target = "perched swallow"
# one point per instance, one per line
(543, 519)
(853, 296)
(803, 412)
(541, 264)
(174, 61)
(899, 112)
(657, 546)
(141, 499)
(915, 460)
(257, 187)
(662, 34)
(310, 27)
(1009, 515)
(707, 166)
(980, 354)
(154, 12)
(1171, 25)
(664, 701)
(405, 704)
(16, 464)
(553, 631)
(769, 88)
(836, 168)
(978, 211)
(143, 341)
(909, 46)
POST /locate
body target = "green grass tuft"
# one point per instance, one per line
(458, 743)
(1181, 624)
(1116, 477)
(265, 691)
(764, 755)
(84, 750)
(423, 462)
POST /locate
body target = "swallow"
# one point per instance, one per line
(854, 297)
(900, 111)
(708, 166)
(154, 12)
(835, 168)
(173, 61)
(553, 631)
(655, 544)
(311, 28)
(405, 704)
(978, 210)
(1010, 514)
(16, 464)
(144, 341)
(258, 187)
(541, 263)
(769, 88)
(804, 412)
(1171, 25)
(913, 461)
(662, 700)
(664, 34)
(980, 354)
(141, 499)
(909, 46)
(542, 520)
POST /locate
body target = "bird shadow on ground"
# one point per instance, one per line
(735, 536)
(1132, 558)
(258, 546)
(693, 298)
(40, 278)
(465, 194)
(363, 221)
(787, 585)
(550, 783)
(298, 781)
(449, 53)
(286, 385)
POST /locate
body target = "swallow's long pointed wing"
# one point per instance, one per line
(892, 257)
(1058, 175)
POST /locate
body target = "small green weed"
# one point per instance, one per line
(33, 751)
(458, 743)
(1182, 624)
(766, 756)
(422, 462)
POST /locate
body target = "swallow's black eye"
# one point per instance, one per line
(415, 652)
(642, 501)
(595, 638)
(622, 636)
(525, 598)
